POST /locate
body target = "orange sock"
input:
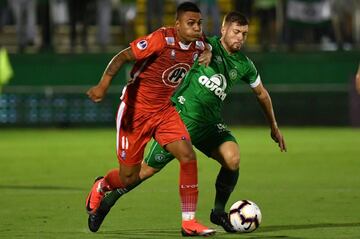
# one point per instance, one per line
(112, 178)
(188, 187)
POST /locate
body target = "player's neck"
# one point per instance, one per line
(181, 39)
(225, 46)
(183, 43)
(184, 46)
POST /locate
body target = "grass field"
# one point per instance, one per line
(312, 191)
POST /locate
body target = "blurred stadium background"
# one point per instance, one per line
(307, 53)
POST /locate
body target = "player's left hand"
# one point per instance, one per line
(205, 58)
(278, 138)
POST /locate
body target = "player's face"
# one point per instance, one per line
(189, 26)
(233, 36)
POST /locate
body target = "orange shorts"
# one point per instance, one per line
(136, 128)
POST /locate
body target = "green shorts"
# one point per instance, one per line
(205, 137)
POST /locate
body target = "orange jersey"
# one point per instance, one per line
(161, 64)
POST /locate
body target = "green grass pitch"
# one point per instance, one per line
(312, 191)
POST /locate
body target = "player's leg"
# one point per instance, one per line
(173, 136)
(228, 155)
(130, 149)
(154, 162)
(130, 145)
(112, 182)
(156, 159)
(216, 141)
(114, 179)
(188, 188)
(114, 189)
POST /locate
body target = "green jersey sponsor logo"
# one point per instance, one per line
(216, 83)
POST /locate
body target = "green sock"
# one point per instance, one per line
(225, 184)
(114, 195)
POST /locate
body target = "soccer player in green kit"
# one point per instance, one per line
(199, 101)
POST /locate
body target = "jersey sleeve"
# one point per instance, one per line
(146, 46)
(252, 76)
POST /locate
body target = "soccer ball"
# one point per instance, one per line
(245, 216)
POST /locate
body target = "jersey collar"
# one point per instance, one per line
(184, 46)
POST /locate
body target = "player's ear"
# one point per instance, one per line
(177, 24)
(223, 30)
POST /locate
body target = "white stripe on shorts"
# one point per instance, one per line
(118, 123)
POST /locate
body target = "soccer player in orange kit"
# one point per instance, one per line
(161, 61)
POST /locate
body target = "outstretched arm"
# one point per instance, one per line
(265, 101)
(98, 92)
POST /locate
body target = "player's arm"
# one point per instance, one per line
(98, 92)
(264, 99)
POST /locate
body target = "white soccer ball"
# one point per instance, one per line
(245, 216)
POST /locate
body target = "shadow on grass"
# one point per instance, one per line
(160, 233)
(307, 226)
(175, 233)
(39, 187)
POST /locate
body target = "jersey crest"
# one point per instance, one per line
(233, 74)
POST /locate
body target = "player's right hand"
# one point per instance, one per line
(96, 93)
(277, 136)
(205, 58)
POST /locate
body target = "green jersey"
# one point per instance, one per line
(204, 89)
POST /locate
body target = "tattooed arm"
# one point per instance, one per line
(98, 92)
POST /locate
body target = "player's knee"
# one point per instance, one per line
(129, 178)
(187, 156)
(147, 172)
(233, 162)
